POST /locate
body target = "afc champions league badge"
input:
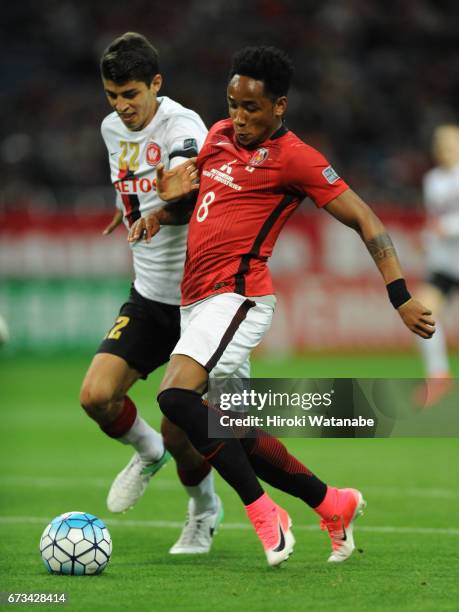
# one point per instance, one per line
(258, 157)
(153, 154)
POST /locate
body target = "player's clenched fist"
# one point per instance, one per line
(178, 182)
(144, 228)
(417, 318)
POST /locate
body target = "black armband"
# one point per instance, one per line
(398, 292)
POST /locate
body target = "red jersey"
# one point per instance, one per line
(246, 196)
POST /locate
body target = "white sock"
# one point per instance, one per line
(435, 353)
(146, 440)
(202, 496)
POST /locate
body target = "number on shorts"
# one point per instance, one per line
(115, 331)
(203, 209)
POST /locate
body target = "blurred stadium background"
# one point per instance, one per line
(373, 79)
(370, 85)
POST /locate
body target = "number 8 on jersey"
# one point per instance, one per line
(203, 209)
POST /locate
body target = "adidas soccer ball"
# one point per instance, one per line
(77, 544)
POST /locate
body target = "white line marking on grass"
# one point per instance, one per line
(169, 484)
(52, 482)
(411, 492)
(111, 522)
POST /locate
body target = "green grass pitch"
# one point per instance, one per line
(54, 459)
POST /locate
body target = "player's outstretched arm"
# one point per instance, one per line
(417, 318)
(178, 182)
(116, 220)
(353, 212)
(175, 213)
(144, 228)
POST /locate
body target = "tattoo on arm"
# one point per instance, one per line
(381, 247)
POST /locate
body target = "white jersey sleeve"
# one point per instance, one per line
(173, 134)
(181, 145)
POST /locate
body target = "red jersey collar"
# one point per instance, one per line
(281, 131)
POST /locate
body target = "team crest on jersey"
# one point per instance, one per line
(330, 174)
(259, 157)
(153, 154)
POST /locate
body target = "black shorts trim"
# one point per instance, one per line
(443, 282)
(240, 315)
(148, 337)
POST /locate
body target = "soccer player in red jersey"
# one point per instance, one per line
(253, 174)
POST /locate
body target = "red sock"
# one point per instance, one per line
(123, 422)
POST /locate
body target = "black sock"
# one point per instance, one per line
(186, 409)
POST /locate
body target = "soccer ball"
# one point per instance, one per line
(77, 544)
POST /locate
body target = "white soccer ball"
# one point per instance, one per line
(77, 544)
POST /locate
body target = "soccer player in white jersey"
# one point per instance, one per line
(441, 198)
(145, 131)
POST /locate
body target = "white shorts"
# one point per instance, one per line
(221, 332)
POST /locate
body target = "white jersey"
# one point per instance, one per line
(174, 134)
(441, 198)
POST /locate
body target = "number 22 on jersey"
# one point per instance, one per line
(132, 149)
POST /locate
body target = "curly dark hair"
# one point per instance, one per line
(130, 57)
(268, 64)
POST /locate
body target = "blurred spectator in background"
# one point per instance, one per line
(4, 331)
(441, 197)
(371, 83)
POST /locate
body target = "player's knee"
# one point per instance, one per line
(174, 402)
(183, 373)
(96, 400)
(169, 404)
